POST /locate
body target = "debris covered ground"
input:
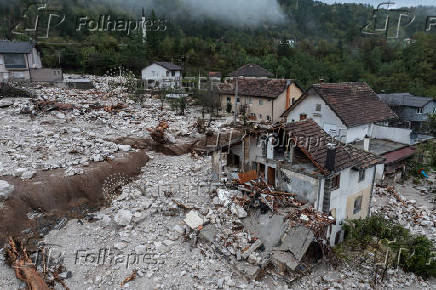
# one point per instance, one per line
(172, 226)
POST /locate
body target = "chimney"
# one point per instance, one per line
(366, 143)
(331, 157)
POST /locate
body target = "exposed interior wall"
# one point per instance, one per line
(306, 187)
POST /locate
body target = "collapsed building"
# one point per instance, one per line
(302, 159)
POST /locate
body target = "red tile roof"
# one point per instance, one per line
(312, 141)
(354, 103)
(399, 155)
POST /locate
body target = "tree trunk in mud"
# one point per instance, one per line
(25, 270)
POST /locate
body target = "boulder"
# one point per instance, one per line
(123, 217)
(5, 190)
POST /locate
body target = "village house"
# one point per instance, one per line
(251, 71)
(17, 59)
(354, 114)
(302, 159)
(259, 99)
(348, 111)
(413, 111)
(162, 75)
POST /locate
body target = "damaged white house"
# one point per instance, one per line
(354, 114)
(303, 159)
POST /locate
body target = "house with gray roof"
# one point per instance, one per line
(413, 111)
(17, 59)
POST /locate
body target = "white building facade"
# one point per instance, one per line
(162, 75)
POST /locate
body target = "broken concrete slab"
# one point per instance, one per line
(269, 228)
(193, 219)
(284, 261)
(248, 270)
(297, 240)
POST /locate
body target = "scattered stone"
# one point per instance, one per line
(193, 219)
(125, 148)
(5, 190)
(123, 217)
(238, 211)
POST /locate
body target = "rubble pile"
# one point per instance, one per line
(147, 221)
(418, 219)
(70, 128)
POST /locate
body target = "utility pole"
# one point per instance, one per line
(236, 101)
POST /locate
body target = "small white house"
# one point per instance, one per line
(347, 111)
(162, 75)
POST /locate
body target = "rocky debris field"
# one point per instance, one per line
(70, 128)
(172, 227)
(419, 219)
(144, 231)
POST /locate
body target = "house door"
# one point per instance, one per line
(271, 176)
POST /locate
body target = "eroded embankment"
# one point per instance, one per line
(56, 195)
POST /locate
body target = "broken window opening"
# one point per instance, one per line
(336, 182)
(361, 175)
(357, 205)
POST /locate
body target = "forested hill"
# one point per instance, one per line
(301, 39)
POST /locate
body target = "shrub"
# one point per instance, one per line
(417, 252)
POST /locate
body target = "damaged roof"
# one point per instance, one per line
(18, 47)
(354, 103)
(168, 65)
(251, 70)
(263, 88)
(404, 99)
(312, 141)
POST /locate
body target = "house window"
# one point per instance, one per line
(261, 102)
(168, 73)
(336, 182)
(303, 117)
(357, 205)
(238, 100)
(173, 73)
(419, 111)
(268, 118)
(228, 100)
(260, 116)
(361, 175)
(250, 100)
(14, 61)
(293, 101)
(318, 107)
